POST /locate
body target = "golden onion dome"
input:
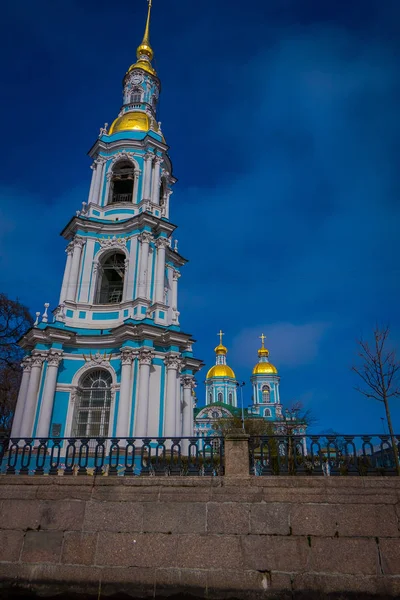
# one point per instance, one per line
(220, 371)
(220, 349)
(265, 368)
(132, 121)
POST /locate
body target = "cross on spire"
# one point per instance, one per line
(263, 338)
(221, 333)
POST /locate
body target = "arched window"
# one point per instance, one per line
(154, 102)
(267, 412)
(230, 398)
(136, 95)
(92, 409)
(265, 393)
(210, 397)
(220, 397)
(122, 182)
(111, 275)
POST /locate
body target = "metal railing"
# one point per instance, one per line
(112, 456)
(327, 455)
(117, 198)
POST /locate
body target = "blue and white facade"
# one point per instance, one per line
(265, 386)
(114, 361)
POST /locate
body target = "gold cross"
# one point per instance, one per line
(150, 2)
(263, 338)
(220, 336)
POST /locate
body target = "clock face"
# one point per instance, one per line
(137, 78)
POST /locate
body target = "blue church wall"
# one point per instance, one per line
(60, 410)
(114, 416)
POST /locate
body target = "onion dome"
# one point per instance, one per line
(133, 121)
(220, 369)
(264, 367)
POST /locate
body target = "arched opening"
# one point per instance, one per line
(267, 412)
(210, 397)
(230, 398)
(136, 95)
(111, 277)
(266, 392)
(93, 403)
(220, 397)
(154, 103)
(122, 182)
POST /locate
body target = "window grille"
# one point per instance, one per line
(92, 410)
(265, 393)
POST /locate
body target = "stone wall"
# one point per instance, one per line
(234, 537)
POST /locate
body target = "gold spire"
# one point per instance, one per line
(221, 348)
(145, 52)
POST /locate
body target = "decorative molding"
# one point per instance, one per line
(113, 242)
(128, 355)
(78, 242)
(97, 360)
(173, 362)
(145, 357)
(26, 364)
(162, 242)
(38, 359)
(176, 275)
(187, 381)
(54, 358)
(146, 237)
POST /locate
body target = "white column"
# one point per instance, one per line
(145, 239)
(98, 181)
(20, 406)
(187, 382)
(174, 303)
(155, 189)
(136, 186)
(28, 416)
(93, 167)
(173, 364)
(178, 429)
(53, 362)
(67, 272)
(161, 244)
(78, 244)
(142, 410)
(126, 272)
(130, 274)
(125, 393)
(148, 162)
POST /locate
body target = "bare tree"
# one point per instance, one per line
(379, 369)
(15, 319)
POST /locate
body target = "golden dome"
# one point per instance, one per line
(144, 65)
(220, 349)
(220, 371)
(131, 121)
(265, 368)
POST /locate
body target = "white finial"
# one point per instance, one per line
(103, 130)
(78, 212)
(84, 207)
(176, 246)
(44, 315)
(37, 319)
(159, 127)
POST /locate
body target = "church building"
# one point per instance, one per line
(114, 361)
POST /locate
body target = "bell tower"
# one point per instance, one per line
(114, 360)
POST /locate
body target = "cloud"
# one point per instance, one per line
(290, 345)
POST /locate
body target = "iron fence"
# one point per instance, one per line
(327, 455)
(112, 456)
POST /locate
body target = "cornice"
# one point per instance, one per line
(123, 227)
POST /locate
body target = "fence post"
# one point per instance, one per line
(237, 454)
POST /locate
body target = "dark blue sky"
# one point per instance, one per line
(282, 117)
